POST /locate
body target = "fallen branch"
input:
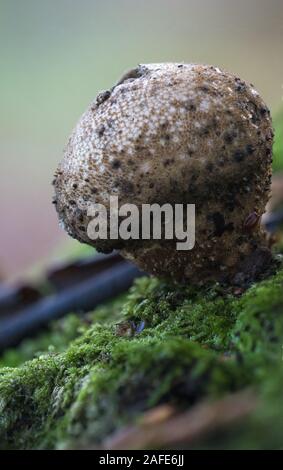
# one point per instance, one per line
(78, 298)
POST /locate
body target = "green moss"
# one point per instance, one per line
(173, 344)
(259, 325)
(204, 316)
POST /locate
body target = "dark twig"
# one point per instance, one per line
(79, 298)
(13, 298)
(64, 275)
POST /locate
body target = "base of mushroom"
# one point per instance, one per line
(257, 264)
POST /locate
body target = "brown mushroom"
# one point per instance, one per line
(174, 133)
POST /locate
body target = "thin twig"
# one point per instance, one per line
(80, 298)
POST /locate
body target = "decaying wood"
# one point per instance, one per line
(164, 427)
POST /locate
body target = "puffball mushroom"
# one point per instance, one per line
(175, 133)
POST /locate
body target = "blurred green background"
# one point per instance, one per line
(56, 56)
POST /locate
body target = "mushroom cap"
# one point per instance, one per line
(173, 133)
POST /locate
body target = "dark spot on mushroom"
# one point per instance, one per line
(239, 156)
(241, 86)
(93, 190)
(204, 88)
(72, 202)
(127, 186)
(103, 96)
(263, 111)
(194, 175)
(204, 131)
(219, 224)
(101, 130)
(75, 186)
(116, 164)
(87, 180)
(250, 149)
(190, 106)
(141, 148)
(168, 161)
(229, 136)
(209, 166)
(269, 136)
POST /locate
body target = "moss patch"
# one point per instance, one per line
(160, 343)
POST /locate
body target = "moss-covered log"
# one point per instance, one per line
(161, 343)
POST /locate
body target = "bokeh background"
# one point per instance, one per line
(55, 56)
